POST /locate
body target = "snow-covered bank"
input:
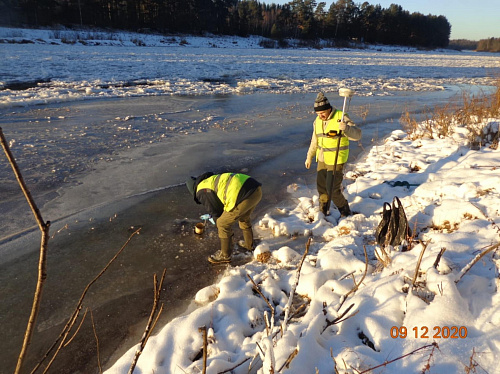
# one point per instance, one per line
(46, 70)
(453, 204)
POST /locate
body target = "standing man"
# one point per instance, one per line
(327, 128)
(228, 197)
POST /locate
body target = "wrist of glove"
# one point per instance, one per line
(208, 217)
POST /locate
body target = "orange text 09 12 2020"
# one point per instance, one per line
(429, 332)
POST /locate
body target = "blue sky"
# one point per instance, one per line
(471, 20)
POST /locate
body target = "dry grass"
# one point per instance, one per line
(470, 112)
(264, 257)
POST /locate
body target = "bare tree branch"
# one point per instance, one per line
(152, 319)
(61, 340)
(260, 293)
(42, 262)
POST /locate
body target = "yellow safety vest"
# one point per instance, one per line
(227, 186)
(329, 144)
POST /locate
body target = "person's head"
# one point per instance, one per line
(322, 106)
(190, 185)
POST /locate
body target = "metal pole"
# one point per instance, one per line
(345, 92)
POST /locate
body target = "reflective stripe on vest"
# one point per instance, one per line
(227, 186)
(329, 144)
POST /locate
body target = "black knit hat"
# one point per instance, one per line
(321, 103)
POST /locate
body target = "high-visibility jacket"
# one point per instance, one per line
(226, 186)
(328, 144)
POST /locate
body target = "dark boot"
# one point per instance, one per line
(345, 211)
(247, 241)
(222, 256)
(323, 207)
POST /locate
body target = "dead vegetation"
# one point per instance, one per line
(471, 112)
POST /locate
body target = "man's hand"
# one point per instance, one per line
(207, 217)
(308, 163)
(342, 126)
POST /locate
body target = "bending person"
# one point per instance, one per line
(327, 128)
(228, 197)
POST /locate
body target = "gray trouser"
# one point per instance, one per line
(240, 213)
(324, 180)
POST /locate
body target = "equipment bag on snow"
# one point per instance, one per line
(393, 229)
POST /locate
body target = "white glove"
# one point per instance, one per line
(308, 163)
(342, 126)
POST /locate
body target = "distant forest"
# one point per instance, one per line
(483, 45)
(489, 45)
(344, 20)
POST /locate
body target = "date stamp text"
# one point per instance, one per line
(426, 332)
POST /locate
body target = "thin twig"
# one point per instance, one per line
(344, 297)
(334, 362)
(234, 367)
(42, 262)
(289, 359)
(346, 275)
(356, 286)
(475, 260)
(72, 320)
(97, 342)
(399, 358)
(338, 319)
(295, 284)
(151, 321)
(383, 257)
(77, 329)
(418, 264)
(438, 258)
(260, 293)
(427, 366)
(203, 331)
(297, 311)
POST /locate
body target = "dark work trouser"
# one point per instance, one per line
(323, 178)
(240, 213)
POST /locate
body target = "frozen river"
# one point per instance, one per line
(101, 169)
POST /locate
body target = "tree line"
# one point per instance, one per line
(489, 45)
(300, 19)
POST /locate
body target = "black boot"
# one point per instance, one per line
(324, 208)
(345, 211)
(222, 256)
(247, 241)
